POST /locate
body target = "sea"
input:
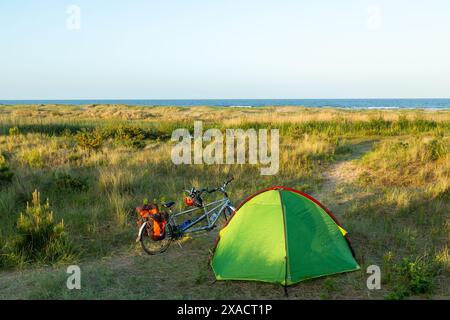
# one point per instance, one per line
(432, 104)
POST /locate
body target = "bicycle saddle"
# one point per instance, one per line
(168, 204)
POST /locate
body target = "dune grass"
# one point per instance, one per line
(96, 163)
(406, 214)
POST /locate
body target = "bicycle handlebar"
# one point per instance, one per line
(229, 180)
(221, 188)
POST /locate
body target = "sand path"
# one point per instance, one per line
(338, 187)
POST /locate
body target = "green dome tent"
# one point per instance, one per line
(283, 236)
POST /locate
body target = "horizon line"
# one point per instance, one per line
(184, 99)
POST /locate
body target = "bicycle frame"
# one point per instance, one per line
(219, 207)
(209, 212)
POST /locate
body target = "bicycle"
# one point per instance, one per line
(211, 212)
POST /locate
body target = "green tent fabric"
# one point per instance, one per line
(283, 236)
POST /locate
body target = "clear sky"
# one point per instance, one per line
(224, 49)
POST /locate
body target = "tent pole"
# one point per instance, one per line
(286, 291)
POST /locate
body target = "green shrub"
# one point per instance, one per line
(40, 238)
(130, 136)
(89, 140)
(436, 149)
(130, 133)
(69, 182)
(412, 277)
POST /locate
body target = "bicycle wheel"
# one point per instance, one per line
(151, 246)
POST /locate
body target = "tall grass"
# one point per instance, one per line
(410, 162)
(407, 215)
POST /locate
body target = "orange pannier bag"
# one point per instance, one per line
(158, 230)
(158, 219)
